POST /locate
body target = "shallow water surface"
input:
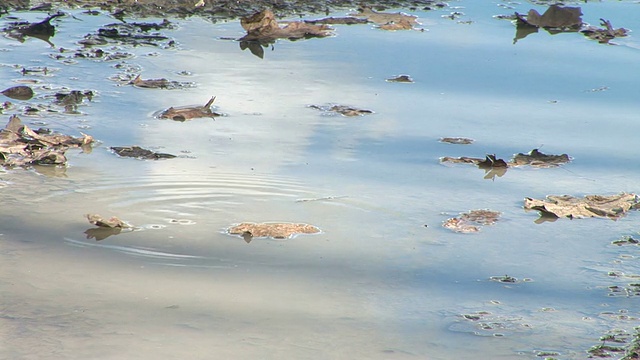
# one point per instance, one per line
(383, 280)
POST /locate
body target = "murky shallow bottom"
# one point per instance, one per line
(376, 283)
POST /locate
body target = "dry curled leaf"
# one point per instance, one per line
(604, 35)
(112, 222)
(188, 113)
(273, 230)
(139, 153)
(472, 221)
(537, 159)
(612, 207)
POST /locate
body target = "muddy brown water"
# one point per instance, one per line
(383, 280)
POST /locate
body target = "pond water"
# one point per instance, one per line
(384, 279)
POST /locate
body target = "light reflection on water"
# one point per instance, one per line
(376, 283)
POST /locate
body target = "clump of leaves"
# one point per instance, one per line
(273, 230)
(472, 221)
(21, 146)
(190, 112)
(612, 207)
(140, 153)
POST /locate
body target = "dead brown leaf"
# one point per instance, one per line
(342, 109)
(112, 222)
(612, 207)
(188, 113)
(20, 92)
(401, 79)
(273, 230)
(139, 153)
(537, 159)
(388, 21)
(605, 35)
(457, 140)
(263, 27)
(556, 17)
(472, 221)
(158, 83)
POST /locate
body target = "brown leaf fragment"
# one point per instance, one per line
(556, 17)
(20, 92)
(612, 207)
(537, 159)
(158, 83)
(112, 222)
(388, 21)
(273, 230)
(457, 140)
(342, 109)
(139, 153)
(263, 27)
(349, 20)
(401, 79)
(188, 113)
(605, 35)
(472, 221)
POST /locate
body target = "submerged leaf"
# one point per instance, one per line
(612, 207)
(273, 230)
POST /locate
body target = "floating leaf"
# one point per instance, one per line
(263, 27)
(555, 16)
(273, 230)
(605, 35)
(188, 113)
(537, 159)
(343, 110)
(612, 207)
(20, 92)
(140, 153)
(388, 21)
(401, 79)
(471, 221)
(457, 140)
(112, 222)
(158, 83)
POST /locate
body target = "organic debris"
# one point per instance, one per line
(112, 222)
(626, 240)
(272, 230)
(263, 27)
(188, 113)
(504, 279)
(349, 20)
(470, 222)
(457, 141)
(401, 79)
(20, 92)
(139, 153)
(158, 83)
(490, 164)
(612, 207)
(134, 33)
(605, 35)
(342, 109)
(42, 30)
(388, 21)
(72, 99)
(537, 159)
(21, 146)
(555, 17)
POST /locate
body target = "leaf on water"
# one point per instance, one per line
(388, 21)
(349, 20)
(188, 113)
(555, 17)
(140, 153)
(112, 222)
(20, 92)
(537, 159)
(605, 35)
(263, 27)
(342, 110)
(273, 230)
(158, 83)
(612, 207)
(21, 146)
(401, 79)
(472, 221)
(457, 140)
